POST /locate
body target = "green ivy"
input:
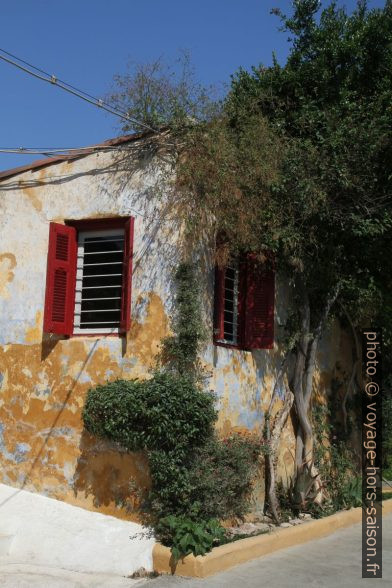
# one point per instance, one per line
(181, 350)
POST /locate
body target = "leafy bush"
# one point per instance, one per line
(343, 486)
(222, 474)
(167, 413)
(215, 481)
(337, 464)
(194, 474)
(186, 536)
(352, 492)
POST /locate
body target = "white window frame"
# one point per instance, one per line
(234, 265)
(79, 278)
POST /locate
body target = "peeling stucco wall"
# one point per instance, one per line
(44, 379)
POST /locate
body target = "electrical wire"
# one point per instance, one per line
(49, 75)
(52, 79)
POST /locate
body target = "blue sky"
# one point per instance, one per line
(85, 42)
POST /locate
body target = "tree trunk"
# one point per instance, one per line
(308, 484)
(272, 435)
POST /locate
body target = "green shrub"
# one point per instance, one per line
(170, 417)
(352, 492)
(193, 473)
(171, 488)
(214, 481)
(168, 412)
(337, 464)
(195, 476)
(185, 536)
(222, 475)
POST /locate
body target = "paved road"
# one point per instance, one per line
(332, 562)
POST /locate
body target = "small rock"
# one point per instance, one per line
(143, 573)
(285, 525)
(267, 519)
(248, 528)
(262, 527)
(260, 517)
(306, 516)
(234, 531)
(295, 521)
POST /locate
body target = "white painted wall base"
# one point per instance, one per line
(49, 532)
(5, 543)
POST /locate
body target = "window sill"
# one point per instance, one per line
(240, 348)
(97, 335)
(230, 345)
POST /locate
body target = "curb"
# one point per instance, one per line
(226, 556)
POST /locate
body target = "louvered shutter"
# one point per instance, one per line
(60, 280)
(219, 293)
(125, 321)
(259, 305)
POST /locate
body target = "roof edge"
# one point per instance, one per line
(73, 155)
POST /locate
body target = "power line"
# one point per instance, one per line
(52, 79)
(49, 75)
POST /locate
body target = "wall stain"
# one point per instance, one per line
(7, 264)
(43, 446)
(144, 339)
(32, 196)
(33, 334)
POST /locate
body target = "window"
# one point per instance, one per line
(244, 304)
(89, 272)
(231, 314)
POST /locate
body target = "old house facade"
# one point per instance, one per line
(87, 253)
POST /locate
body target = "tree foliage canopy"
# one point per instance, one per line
(330, 104)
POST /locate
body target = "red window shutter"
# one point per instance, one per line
(125, 321)
(60, 280)
(219, 293)
(259, 306)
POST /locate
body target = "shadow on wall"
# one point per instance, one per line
(47, 346)
(110, 475)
